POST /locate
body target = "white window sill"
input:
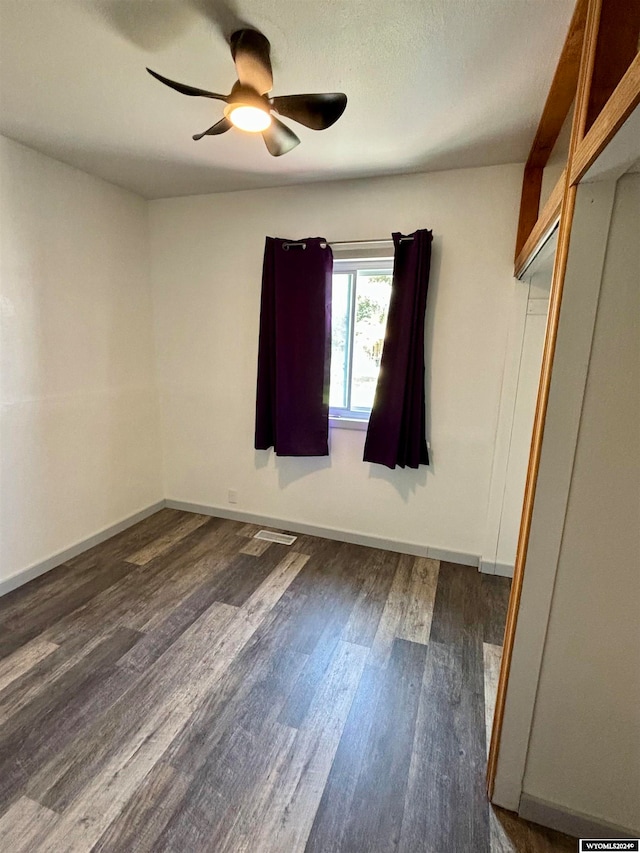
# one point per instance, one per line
(348, 423)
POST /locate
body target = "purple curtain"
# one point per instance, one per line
(294, 353)
(396, 433)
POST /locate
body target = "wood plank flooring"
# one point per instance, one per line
(184, 687)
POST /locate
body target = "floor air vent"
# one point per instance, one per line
(270, 536)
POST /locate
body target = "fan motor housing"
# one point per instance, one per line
(245, 96)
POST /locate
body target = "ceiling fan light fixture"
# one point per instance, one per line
(249, 118)
(248, 105)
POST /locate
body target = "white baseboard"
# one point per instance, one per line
(489, 567)
(572, 823)
(330, 533)
(25, 575)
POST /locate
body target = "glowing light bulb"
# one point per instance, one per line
(252, 119)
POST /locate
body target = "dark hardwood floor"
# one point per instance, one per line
(185, 687)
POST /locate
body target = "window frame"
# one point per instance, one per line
(340, 416)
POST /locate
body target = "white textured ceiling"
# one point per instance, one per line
(432, 84)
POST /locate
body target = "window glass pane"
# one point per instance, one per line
(340, 340)
(372, 304)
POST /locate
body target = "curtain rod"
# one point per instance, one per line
(359, 242)
(287, 246)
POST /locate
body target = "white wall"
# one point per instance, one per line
(80, 445)
(206, 267)
(584, 751)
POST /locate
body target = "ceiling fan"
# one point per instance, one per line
(248, 107)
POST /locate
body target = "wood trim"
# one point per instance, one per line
(562, 91)
(545, 222)
(610, 51)
(589, 47)
(529, 204)
(616, 111)
(556, 109)
(555, 301)
(566, 218)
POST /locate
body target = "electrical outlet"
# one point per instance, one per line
(233, 496)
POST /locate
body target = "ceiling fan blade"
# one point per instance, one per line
(251, 53)
(186, 90)
(278, 138)
(220, 127)
(315, 111)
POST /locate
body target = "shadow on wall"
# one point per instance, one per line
(406, 481)
(291, 469)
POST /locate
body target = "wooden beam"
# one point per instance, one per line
(556, 109)
(529, 204)
(623, 101)
(563, 89)
(549, 216)
(615, 50)
(616, 111)
(587, 66)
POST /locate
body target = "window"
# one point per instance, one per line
(361, 292)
